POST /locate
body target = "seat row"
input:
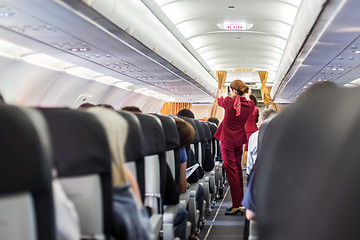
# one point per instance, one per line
(35, 141)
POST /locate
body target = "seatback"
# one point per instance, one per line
(172, 141)
(155, 162)
(202, 142)
(208, 158)
(134, 149)
(83, 163)
(213, 129)
(26, 201)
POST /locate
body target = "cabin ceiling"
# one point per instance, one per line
(175, 47)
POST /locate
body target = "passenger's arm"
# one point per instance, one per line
(182, 178)
(133, 183)
(250, 215)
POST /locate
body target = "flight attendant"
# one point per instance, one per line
(250, 125)
(232, 136)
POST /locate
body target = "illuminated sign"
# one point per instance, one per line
(235, 26)
(244, 69)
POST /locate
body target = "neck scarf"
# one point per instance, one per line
(237, 105)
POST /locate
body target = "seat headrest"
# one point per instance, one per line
(25, 162)
(79, 142)
(171, 132)
(206, 130)
(202, 137)
(213, 127)
(192, 122)
(153, 134)
(134, 147)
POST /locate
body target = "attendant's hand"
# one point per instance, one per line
(219, 92)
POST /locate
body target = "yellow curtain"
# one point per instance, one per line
(265, 91)
(221, 76)
(174, 107)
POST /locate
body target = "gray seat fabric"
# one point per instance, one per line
(83, 163)
(25, 177)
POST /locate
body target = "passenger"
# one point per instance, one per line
(249, 198)
(132, 109)
(250, 127)
(130, 218)
(86, 105)
(105, 105)
(186, 134)
(66, 218)
(253, 141)
(231, 134)
(185, 113)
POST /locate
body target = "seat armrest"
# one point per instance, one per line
(184, 198)
(156, 224)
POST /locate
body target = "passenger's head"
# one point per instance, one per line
(132, 109)
(86, 105)
(105, 105)
(116, 129)
(239, 87)
(253, 98)
(316, 88)
(186, 132)
(267, 115)
(214, 120)
(185, 113)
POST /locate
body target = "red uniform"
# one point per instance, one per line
(231, 134)
(250, 126)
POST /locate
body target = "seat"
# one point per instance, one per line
(134, 150)
(201, 155)
(173, 160)
(83, 163)
(209, 160)
(26, 201)
(194, 214)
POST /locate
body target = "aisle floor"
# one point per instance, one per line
(221, 226)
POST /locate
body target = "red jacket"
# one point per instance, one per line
(232, 129)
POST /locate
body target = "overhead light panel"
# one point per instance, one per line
(46, 61)
(123, 85)
(82, 72)
(11, 50)
(107, 80)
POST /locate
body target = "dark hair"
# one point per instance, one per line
(105, 105)
(239, 86)
(315, 88)
(86, 105)
(267, 114)
(185, 113)
(253, 98)
(132, 109)
(214, 120)
(186, 132)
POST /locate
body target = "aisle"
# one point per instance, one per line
(221, 226)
